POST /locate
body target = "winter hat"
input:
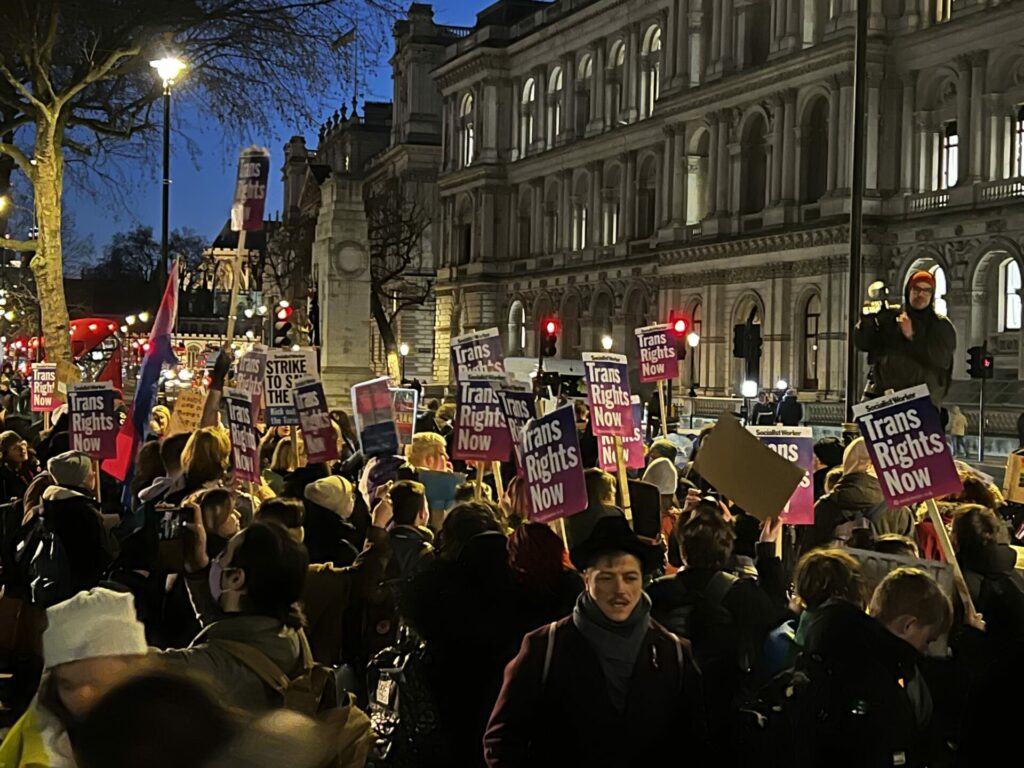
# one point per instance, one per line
(91, 624)
(8, 439)
(70, 468)
(662, 473)
(829, 451)
(921, 276)
(333, 493)
(856, 458)
(664, 448)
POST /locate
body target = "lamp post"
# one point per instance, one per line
(692, 340)
(168, 68)
(403, 350)
(607, 342)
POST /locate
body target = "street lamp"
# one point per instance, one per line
(4, 202)
(606, 342)
(168, 68)
(692, 340)
(403, 350)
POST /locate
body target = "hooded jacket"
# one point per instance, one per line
(855, 495)
(897, 362)
(76, 520)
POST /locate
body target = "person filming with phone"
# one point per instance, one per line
(908, 345)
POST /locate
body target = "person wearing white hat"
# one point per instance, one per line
(93, 641)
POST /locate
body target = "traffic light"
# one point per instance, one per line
(679, 326)
(549, 337)
(282, 325)
(752, 350)
(980, 364)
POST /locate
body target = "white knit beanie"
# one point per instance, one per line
(96, 623)
(332, 492)
(70, 468)
(662, 473)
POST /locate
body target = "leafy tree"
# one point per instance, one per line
(75, 77)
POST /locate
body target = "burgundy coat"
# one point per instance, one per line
(569, 719)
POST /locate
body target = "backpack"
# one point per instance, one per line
(402, 707)
(845, 530)
(705, 615)
(313, 693)
(44, 563)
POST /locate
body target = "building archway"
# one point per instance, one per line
(516, 344)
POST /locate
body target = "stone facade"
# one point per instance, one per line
(610, 161)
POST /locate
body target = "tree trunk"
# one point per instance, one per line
(387, 336)
(47, 265)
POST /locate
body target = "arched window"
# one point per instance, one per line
(814, 152)
(617, 82)
(698, 193)
(651, 65)
(584, 93)
(524, 222)
(517, 329)
(949, 156)
(940, 288)
(811, 356)
(754, 179)
(580, 214)
(467, 131)
(526, 106)
(646, 199)
(610, 207)
(1009, 296)
(554, 97)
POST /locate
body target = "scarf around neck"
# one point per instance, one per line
(616, 643)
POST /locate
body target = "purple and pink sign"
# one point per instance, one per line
(795, 444)
(245, 444)
(552, 466)
(611, 411)
(403, 403)
(93, 426)
(250, 372)
(658, 358)
(477, 352)
(908, 447)
(315, 421)
(632, 447)
(519, 406)
(44, 384)
(375, 417)
(481, 433)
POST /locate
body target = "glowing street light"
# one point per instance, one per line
(403, 350)
(143, 317)
(748, 388)
(129, 320)
(693, 339)
(168, 69)
(607, 342)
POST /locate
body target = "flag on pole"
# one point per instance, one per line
(160, 353)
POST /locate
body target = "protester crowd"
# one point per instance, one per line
(331, 614)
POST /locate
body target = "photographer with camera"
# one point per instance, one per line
(908, 345)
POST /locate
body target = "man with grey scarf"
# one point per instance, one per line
(607, 685)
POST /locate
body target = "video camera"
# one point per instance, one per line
(878, 300)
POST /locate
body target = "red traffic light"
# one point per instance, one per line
(986, 362)
(284, 313)
(146, 346)
(551, 327)
(679, 326)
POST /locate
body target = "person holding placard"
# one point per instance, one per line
(915, 346)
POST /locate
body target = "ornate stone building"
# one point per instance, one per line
(607, 161)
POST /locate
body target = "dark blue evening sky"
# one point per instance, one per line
(202, 187)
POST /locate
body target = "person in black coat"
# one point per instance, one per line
(70, 511)
(790, 412)
(469, 610)
(13, 465)
(331, 537)
(726, 618)
(607, 685)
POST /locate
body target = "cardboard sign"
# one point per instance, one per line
(795, 444)
(611, 411)
(404, 403)
(908, 447)
(477, 352)
(315, 421)
(250, 372)
(245, 444)
(632, 447)
(519, 407)
(93, 427)
(552, 467)
(481, 433)
(283, 369)
(658, 357)
(44, 385)
(375, 419)
(188, 411)
(751, 474)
